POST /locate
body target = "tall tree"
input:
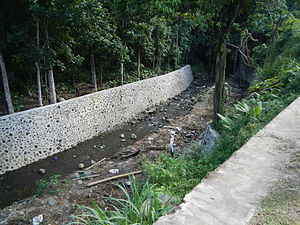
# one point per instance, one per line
(8, 100)
(221, 15)
(96, 32)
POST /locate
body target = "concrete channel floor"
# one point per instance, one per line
(230, 194)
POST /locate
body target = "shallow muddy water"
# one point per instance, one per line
(21, 183)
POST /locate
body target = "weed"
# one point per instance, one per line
(18, 106)
(141, 205)
(49, 186)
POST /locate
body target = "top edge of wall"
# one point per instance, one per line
(87, 95)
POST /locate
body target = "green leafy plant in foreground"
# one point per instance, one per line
(141, 205)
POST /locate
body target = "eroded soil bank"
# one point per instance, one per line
(189, 111)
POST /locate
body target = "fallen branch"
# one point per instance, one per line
(87, 177)
(131, 155)
(95, 164)
(117, 155)
(156, 148)
(113, 178)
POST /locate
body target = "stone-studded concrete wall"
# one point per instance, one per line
(35, 134)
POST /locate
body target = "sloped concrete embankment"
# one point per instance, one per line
(231, 194)
(29, 136)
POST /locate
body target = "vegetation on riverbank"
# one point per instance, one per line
(277, 84)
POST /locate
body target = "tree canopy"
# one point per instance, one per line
(76, 41)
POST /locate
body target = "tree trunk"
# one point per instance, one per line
(177, 50)
(37, 66)
(52, 91)
(139, 63)
(220, 69)
(93, 71)
(46, 85)
(220, 66)
(122, 73)
(101, 76)
(39, 86)
(9, 105)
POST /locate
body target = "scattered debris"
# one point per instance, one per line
(80, 165)
(74, 176)
(172, 128)
(42, 171)
(138, 150)
(189, 135)
(113, 178)
(54, 158)
(37, 220)
(156, 148)
(95, 164)
(160, 142)
(88, 177)
(172, 139)
(133, 137)
(135, 153)
(169, 120)
(150, 138)
(51, 201)
(114, 171)
(86, 174)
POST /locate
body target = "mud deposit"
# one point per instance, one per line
(21, 183)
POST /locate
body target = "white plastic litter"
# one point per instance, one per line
(114, 171)
(37, 220)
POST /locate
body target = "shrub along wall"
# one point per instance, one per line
(35, 134)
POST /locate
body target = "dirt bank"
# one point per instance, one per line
(189, 111)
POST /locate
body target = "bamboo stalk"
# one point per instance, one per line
(87, 177)
(95, 164)
(113, 178)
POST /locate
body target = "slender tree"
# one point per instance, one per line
(38, 67)
(8, 100)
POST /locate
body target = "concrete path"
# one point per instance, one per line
(231, 194)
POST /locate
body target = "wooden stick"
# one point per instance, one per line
(156, 148)
(87, 177)
(113, 178)
(131, 155)
(97, 163)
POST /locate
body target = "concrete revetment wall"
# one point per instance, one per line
(35, 134)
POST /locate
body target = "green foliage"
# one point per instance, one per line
(278, 84)
(18, 106)
(177, 176)
(48, 186)
(141, 205)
